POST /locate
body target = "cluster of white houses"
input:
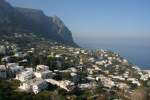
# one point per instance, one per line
(97, 70)
(30, 80)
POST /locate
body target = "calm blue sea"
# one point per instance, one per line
(136, 50)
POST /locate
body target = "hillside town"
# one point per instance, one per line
(72, 69)
(40, 59)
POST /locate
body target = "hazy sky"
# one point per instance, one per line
(97, 18)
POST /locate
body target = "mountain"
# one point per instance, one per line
(26, 20)
(61, 29)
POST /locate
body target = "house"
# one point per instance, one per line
(77, 52)
(23, 61)
(44, 74)
(125, 61)
(126, 74)
(90, 78)
(34, 85)
(122, 86)
(96, 68)
(39, 85)
(64, 84)
(134, 81)
(90, 70)
(100, 62)
(75, 77)
(72, 69)
(14, 69)
(91, 59)
(42, 68)
(2, 49)
(107, 82)
(118, 78)
(3, 72)
(148, 72)
(144, 77)
(84, 86)
(9, 65)
(19, 54)
(110, 58)
(136, 68)
(87, 85)
(58, 55)
(106, 71)
(6, 58)
(99, 77)
(25, 75)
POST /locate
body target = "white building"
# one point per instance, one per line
(118, 78)
(144, 77)
(75, 77)
(107, 82)
(100, 62)
(35, 85)
(125, 61)
(90, 70)
(44, 74)
(6, 58)
(72, 69)
(65, 84)
(122, 86)
(42, 68)
(9, 65)
(39, 85)
(58, 55)
(91, 59)
(2, 49)
(25, 75)
(14, 68)
(87, 86)
(3, 72)
(19, 54)
(126, 74)
(134, 81)
(28, 69)
(90, 78)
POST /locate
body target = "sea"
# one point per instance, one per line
(136, 50)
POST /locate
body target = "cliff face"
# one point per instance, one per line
(20, 20)
(61, 29)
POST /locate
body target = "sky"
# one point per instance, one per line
(97, 18)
